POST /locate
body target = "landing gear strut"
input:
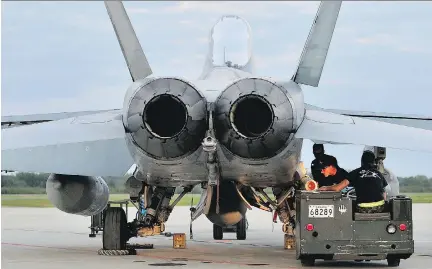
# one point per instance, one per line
(153, 204)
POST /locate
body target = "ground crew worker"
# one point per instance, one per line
(392, 188)
(368, 183)
(325, 169)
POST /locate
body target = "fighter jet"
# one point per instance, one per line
(231, 131)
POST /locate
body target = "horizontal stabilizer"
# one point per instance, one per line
(333, 128)
(91, 145)
(317, 44)
(133, 53)
(417, 121)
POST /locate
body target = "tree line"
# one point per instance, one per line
(33, 183)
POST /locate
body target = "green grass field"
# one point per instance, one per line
(41, 200)
(420, 197)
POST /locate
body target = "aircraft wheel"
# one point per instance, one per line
(393, 262)
(114, 235)
(241, 229)
(217, 232)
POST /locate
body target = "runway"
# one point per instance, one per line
(43, 238)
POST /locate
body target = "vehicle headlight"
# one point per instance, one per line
(391, 229)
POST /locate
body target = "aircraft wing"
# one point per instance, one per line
(91, 145)
(416, 121)
(332, 128)
(19, 120)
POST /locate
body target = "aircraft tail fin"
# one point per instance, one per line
(314, 53)
(133, 53)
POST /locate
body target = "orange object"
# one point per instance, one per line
(329, 171)
(311, 185)
(179, 240)
(289, 241)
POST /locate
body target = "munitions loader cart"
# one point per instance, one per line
(329, 229)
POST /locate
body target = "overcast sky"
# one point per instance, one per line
(64, 56)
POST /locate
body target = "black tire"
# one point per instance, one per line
(393, 262)
(307, 261)
(114, 235)
(217, 232)
(241, 229)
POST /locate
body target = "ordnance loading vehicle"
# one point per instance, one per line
(328, 228)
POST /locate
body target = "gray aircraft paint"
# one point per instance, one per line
(99, 145)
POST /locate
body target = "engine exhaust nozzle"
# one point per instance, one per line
(166, 117)
(254, 118)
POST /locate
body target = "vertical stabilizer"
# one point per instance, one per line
(317, 44)
(133, 53)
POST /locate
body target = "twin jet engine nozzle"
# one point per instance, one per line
(167, 117)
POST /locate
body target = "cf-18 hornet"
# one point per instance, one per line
(229, 130)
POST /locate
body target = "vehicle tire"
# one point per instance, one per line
(114, 235)
(307, 261)
(217, 232)
(241, 229)
(393, 262)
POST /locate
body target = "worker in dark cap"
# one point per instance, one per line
(325, 169)
(368, 183)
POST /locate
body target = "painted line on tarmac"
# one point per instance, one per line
(231, 242)
(42, 231)
(39, 246)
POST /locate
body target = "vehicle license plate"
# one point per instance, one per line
(321, 211)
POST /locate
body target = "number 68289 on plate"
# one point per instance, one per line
(321, 211)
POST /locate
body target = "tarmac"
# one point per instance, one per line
(44, 238)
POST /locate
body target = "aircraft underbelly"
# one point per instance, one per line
(276, 171)
(186, 171)
(192, 170)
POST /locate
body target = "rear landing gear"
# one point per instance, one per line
(154, 208)
(239, 228)
(115, 233)
(217, 232)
